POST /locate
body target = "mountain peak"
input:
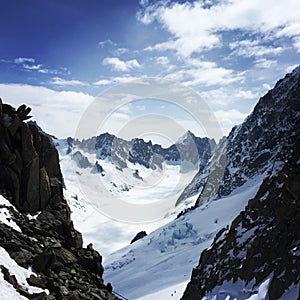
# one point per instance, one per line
(256, 146)
(187, 136)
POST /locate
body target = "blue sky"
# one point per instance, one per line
(57, 55)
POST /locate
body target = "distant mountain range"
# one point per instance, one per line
(188, 149)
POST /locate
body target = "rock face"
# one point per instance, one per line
(259, 145)
(31, 179)
(262, 242)
(30, 173)
(81, 160)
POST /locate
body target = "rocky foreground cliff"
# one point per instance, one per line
(42, 237)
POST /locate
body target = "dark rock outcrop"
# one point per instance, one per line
(138, 236)
(98, 169)
(30, 175)
(30, 178)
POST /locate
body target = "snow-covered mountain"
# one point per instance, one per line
(254, 162)
(250, 249)
(188, 149)
(259, 145)
(258, 256)
(159, 265)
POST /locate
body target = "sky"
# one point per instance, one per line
(58, 55)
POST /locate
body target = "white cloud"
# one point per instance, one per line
(103, 82)
(195, 26)
(264, 63)
(116, 80)
(162, 60)
(253, 48)
(120, 51)
(296, 43)
(21, 60)
(291, 68)
(120, 65)
(63, 82)
(117, 116)
(57, 113)
(207, 73)
(219, 97)
(290, 30)
(32, 67)
(248, 94)
(266, 86)
(29, 64)
(109, 42)
(229, 118)
(224, 97)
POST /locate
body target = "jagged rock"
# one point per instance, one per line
(28, 162)
(138, 236)
(81, 160)
(30, 178)
(36, 281)
(98, 169)
(137, 175)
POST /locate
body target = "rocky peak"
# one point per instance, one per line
(30, 178)
(195, 149)
(186, 137)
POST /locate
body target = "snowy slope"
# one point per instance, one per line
(106, 234)
(173, 250)
(7, 290)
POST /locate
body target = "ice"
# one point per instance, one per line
(172, 251)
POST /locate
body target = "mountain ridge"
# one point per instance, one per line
(251, 146)
(188, 148)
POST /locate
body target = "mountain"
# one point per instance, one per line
(252, 247)
(188, 149)
(259, 253)
(260, 145)
(41, 253)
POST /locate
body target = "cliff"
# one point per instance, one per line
(43, 236)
